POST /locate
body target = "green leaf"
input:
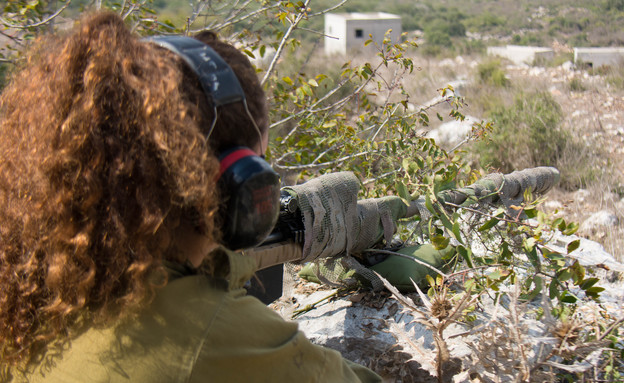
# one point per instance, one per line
(429, 205)
(578, 273)
(533, 293)
(440, 242)
(571, 228)
(307, 90)
(456, 231)
(466, 253)
(505, 253)
(531, 213)
(402, 190)
(445, 221)
(566, 297)
(287, 80)
(553, 289)
(594, 292)
(588, 283)
(405, 164)
(300, 93)
(573, 245)
(489, 224)
(565, 274)
(499, 274)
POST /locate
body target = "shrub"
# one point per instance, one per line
(491, 73)
(614, 5)
(528, 134)
(576, 85)
(438, 37)
(534, 39)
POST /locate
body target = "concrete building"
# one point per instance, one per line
(346, 32)
(521, 54)
(597, 57)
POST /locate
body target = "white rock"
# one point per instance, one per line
(589, 253)
(581, 194)
(447, 62)
(567, 66)
(553, 205)
(601, 219)
(453, 132)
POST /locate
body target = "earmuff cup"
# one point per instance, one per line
(248, 186)
(250, 192)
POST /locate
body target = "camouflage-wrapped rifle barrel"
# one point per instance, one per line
(497, 187)
(335, 222)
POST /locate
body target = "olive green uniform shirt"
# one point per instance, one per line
(200, 330)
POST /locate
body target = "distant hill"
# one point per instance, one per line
(526, 22)
(522, 22)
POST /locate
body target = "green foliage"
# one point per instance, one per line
(614, 5)
(529, 129)
(528, 133)
(528, 39)
(439, 30)
(561, 58)
(4, 69)
(576, 85)
(567, 25)
(438, 37)
(615, 76)
(491, 73)
(485, 21)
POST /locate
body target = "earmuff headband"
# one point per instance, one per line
(216, 77)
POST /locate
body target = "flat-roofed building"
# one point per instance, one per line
(346, 32)
(597, 57)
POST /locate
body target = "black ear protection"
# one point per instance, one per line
(249, 187)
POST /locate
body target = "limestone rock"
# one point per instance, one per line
(599, 221)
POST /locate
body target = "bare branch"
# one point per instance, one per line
(611, 328)
(335, 105)
(38, 24)
(278, 53)
(327, 10)
(323, 164)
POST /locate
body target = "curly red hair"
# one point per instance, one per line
(102, 153)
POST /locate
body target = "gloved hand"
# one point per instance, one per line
(336, 222)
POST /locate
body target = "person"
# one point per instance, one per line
(111, 268)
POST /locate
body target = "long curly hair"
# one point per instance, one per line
(102, 154)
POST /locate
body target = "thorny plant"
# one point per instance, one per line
(438, 313)
(513, 340)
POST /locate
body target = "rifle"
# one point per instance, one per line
(287, 241)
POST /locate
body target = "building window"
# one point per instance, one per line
(359, 33)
